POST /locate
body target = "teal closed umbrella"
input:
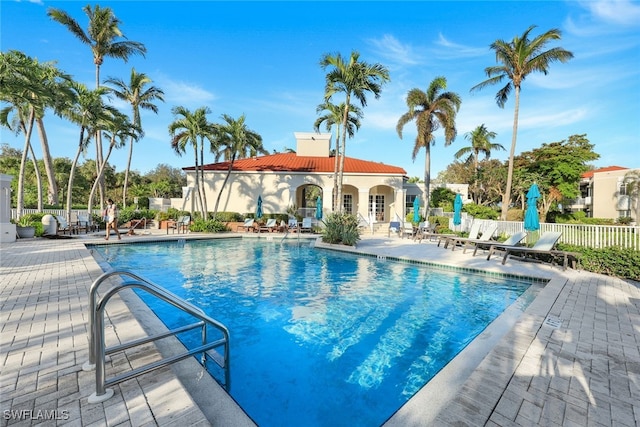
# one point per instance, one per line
(457, 210)
(319, 208)
(259, 208)
(416, 210)
(531, 219)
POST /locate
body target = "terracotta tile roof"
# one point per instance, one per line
(291, 162)
(589, 174)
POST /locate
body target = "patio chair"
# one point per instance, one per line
(270, 225)
(63, 225)
(545, 246)
(85, 223)
(181, 224)
(293, 225)
(486, 236)
(407, 230)
(306, 225)
(512, 240)
(394, 227)
(248, 225)
(473, 234)
(426, 231)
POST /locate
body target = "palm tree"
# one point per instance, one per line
(118, 128)
(518, 59)
(87, 111)
(192, 128)
(354, 79)
(103, 37)
(235, 140)
(333, 117)
(28, 88)
(431, 110)
(481, 143)
(139, 96)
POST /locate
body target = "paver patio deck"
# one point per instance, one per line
(571, 359)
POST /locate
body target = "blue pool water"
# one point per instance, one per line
(319, 337)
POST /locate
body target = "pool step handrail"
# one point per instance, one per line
(98, 352)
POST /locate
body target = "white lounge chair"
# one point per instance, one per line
(248, 225)
(512, 240)
(544, 246)
(306, 225)
(270, 225)
(486, 236)
(473, 234)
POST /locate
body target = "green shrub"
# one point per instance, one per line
(208, 226)
(228, 217)
(127, 214)
(612, 261)
(409, 218)
(341, 228)
(480, 212)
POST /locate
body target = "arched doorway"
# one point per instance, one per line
(306, 198)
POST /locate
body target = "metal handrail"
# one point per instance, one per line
(97, 350)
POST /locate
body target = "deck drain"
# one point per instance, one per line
(554, 322)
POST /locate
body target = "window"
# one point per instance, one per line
(409, 202)
(379, 206)
(347, 203)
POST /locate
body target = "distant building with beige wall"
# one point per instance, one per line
(603, 194)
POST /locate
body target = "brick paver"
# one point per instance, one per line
(572, 359)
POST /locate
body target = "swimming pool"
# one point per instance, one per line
(320, 337)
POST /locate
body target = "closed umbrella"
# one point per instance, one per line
(531, 219)
(259, 208)
(416, 210)
(457, 210)
(319, 208)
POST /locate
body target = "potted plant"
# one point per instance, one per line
(25, 227)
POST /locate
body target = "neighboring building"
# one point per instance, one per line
(603, 194)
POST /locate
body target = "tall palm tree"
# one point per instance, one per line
(105, 39)
(632, 183)
(234, 139)
(28, 88)
(481, 143)
(87, 111)
(353, 78)
(519, 58)
(431, 110)
(139, 96)
(192, 128)
(333, 117)
(117, 129)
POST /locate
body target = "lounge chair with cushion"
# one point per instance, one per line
(486, 236)
(247, 225)
(394, 227)
(545, 246)
(269, 227)
(512, 240)
(293, 225)
(473, 234)
(407, 230)
(306, 225)
(63, 225)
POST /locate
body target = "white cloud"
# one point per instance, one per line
(619, 12)
(393, 50)
(184, 93)
(448, 49)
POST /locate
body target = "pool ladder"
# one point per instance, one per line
(98, 352)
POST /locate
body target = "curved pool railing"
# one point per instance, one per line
(98, 352)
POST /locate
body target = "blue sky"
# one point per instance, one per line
(262, 59)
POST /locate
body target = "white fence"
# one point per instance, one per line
(591, 236)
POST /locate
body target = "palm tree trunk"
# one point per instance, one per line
(198, 189)
(427, 178)
(226, 178)
(100, 175)
(126, 174)
(345, 116)
(204, 193)
(52, 188)
(72, 173)
(38, 176)
(334, 196)
(506, 197)
(23, 161)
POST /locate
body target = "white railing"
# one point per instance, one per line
(54, 212)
